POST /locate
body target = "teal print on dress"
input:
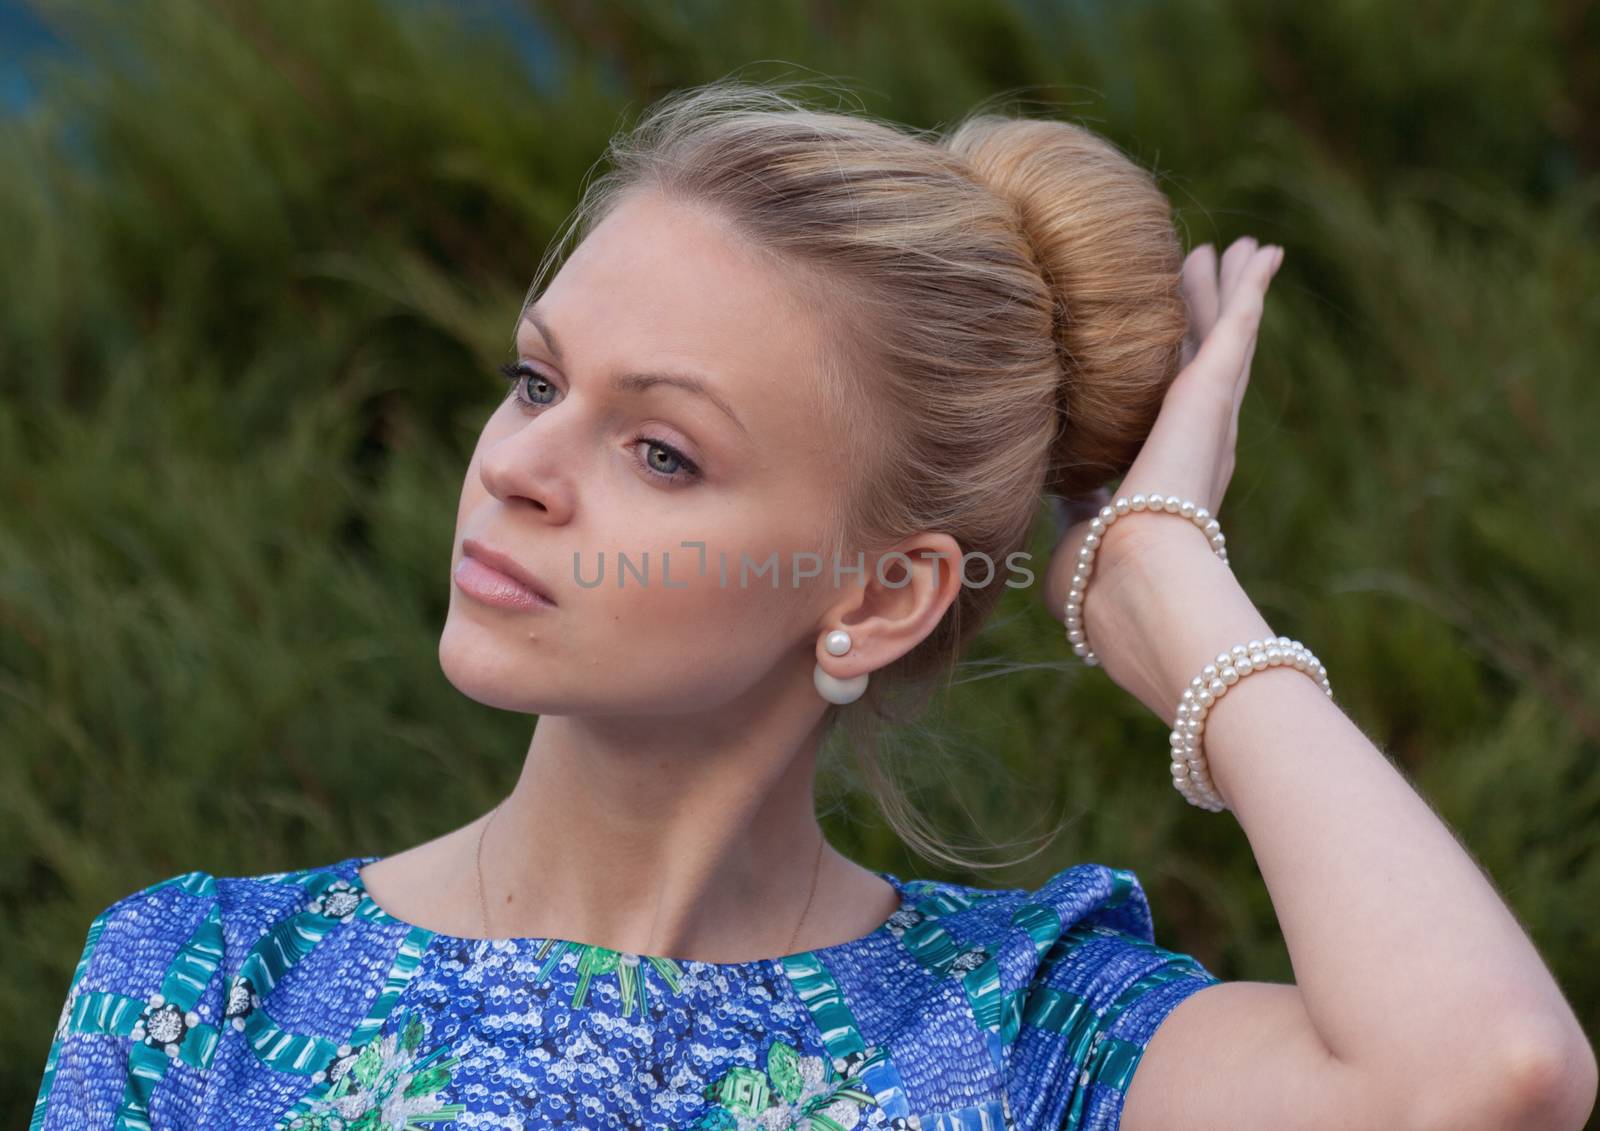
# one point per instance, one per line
(385, 1086)
(795, 1093)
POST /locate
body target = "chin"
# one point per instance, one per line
(499, 667)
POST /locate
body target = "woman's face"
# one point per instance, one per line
(574, 463)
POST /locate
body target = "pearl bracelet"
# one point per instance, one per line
(1170, 504)
(1191, 774)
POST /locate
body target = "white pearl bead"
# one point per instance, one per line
(1122, 506)
(837, 642)
(1186, 509)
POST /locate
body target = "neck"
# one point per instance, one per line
(673, 839)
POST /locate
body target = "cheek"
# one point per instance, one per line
(723, 593)
(677, 647)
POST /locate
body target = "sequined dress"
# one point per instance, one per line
(291, 1001)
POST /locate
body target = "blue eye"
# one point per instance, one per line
(682, 470)
(517, 373)
(672, 454)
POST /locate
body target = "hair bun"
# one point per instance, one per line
(1101, 233)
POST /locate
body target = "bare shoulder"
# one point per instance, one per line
(1191, 1072)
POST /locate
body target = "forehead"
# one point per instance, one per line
(658, 284)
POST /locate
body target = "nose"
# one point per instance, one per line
(533, 465)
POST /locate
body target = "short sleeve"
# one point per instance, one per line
(139, 1024)
(1100, 989)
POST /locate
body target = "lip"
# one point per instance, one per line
(499, 579)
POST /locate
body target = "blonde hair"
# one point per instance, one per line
(1004, 302)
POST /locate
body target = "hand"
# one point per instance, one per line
(1190, 449)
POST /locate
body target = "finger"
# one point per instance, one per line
(1245, 301)
(1270, 257)
(1200, 290)
(1271, 254)
(1222, 355)
(1239, 391)
(1233, 264)
(1242, 378)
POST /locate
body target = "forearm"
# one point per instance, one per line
(1410, 967)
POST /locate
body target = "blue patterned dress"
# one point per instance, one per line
(291, 1001)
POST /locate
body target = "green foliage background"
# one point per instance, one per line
(260, 260)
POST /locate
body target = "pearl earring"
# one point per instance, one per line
(831, 687)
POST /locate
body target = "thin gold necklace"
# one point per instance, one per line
(483, 903)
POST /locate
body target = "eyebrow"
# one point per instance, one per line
(640, 382)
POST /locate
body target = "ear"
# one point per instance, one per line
(892, 604)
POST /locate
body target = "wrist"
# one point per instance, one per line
(1160, 606)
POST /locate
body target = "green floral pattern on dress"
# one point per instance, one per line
(599, 961)
(384, 1086)
(795, 1093)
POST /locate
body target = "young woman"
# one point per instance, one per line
(789, 337)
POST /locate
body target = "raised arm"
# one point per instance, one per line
(1419, 1004)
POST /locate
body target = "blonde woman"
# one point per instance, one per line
(788, 337)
